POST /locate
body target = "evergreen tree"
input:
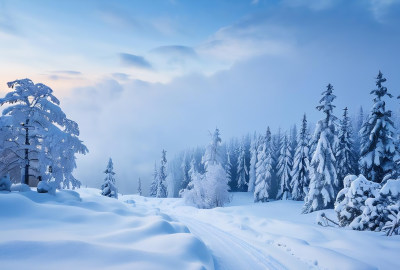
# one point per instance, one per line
(357, 125)
(285, 164)
(213, 155)
(323, 182)
(275, 154)
(109, 188)
(34, 128)
(153, 185)
(301, 164)
(377, 133)
(253, 162)
(139, 189)
(242, 169)
(162, 177)
(185, 167)
(346, 162)
(293, 141)
(263, 168)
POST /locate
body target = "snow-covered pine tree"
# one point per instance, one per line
(212, 155)
(242, 169)
(346, 162)
(109, 188)
(46, 135)
(228, 166)
(139, 189)
(323, 181)
(263, 168)
(377, 133)
(185, 167)
(357, 125)
(285, 164)
(301, 164)
(275, 153)
(253, 162)
(293, 141)
(153, 185)
(162, 177)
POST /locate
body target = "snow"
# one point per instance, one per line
(84, 230)
(274, 235)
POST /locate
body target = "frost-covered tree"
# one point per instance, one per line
(253, 162)
(109, 188)
(139, 189)
(357, 125)
(346, 163)
(285, 164)
(185, 167)
(263, 168)
(210, 189)
(377, 134)
(301, 164)
(293, 141)
(162, 177)
(213, 155)
(153, 185)
(275, 153)
(242, 169)
(323, 181)
(38, 136)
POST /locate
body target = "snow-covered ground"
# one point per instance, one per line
(83, 230)
(274, 235)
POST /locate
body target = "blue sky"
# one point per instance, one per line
(138, 76)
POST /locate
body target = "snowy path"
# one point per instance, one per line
(227, 248)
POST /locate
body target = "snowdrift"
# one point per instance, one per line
(84, 230)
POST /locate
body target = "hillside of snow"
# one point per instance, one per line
(84, 230)
(274, 235)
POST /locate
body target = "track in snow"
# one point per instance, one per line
(230, 252)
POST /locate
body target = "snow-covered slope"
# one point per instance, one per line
(84, 230)
(275, 235)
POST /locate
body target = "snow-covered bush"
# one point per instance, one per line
(381, 213)
(5, 183)
(47, 187)
(351, 199)
(108, 188)
(20, 188)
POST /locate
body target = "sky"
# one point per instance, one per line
(140, 76)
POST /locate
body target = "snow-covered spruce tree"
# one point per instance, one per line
(215, 182)
(381, 212)
(185, 167)
(228, 166)
(242, 169)
(357, 125)
(263, 168)
(301, 164)
(253, 162)
(109, 188)
(211, 189)
(285, 165)
(323, 180)
(293, 141)
(139, 189)
(162, 177)
(275, 153)
(377, 133)
(351, 199)
(346, 163)
(37, 129)
(153, 185)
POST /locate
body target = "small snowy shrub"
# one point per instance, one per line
(5, 183)
(381, 213)
(351, 199)
(47, 187)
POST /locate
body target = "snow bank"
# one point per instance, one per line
(84, 230)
